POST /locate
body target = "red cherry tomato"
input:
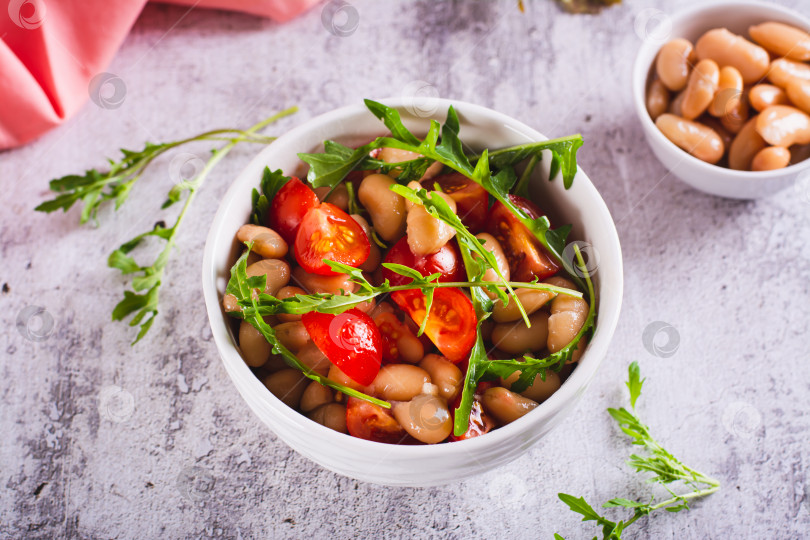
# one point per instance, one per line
(526, 255)
(480, 421)
(327, 232)
(371, 422)
(471, 199)
(447, 261)
(350, 340)
(289, 207)
(452, 321)
(391, 329)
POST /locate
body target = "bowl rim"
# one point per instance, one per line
(574, 385)
(641, 73)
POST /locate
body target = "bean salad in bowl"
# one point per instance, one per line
(407, 291)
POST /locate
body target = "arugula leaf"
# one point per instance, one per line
(450, 153)
(665, 467)
(272, 182)
(634, 383)
(563, 151)
(392, 121)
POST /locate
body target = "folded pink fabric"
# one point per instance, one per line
(50, 52)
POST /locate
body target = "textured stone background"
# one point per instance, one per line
(102, 440)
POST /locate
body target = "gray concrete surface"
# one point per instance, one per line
(103, 440)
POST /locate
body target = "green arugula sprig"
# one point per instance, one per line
(531, 367)
(242, 287)
(480, 367)
(95, 188)
(442, 144)
(265, 304)
(666, 469)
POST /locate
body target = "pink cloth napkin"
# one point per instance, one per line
(50, 51)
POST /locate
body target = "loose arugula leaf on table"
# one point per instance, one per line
(94, 188)
(666, 469)
(242, 287)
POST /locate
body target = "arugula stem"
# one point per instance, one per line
(522, 186)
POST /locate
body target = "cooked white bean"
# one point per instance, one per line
(494, 247)
(315, 283)
(276, 271)
(230, 303)
(339, 196)
(427, 234)
(658, 99)
(266, 242)
(288, 385)
(729, 92)
(335, 374)
(399, 382)
(444, 374)
(255, 349)
(745, 146)
(771, 158)
(315, 395)
(799, 93)
(674, 62)
(764, 95)
(783, 125)
(539, 390)
(782, 39)
(693, 137)
(311, 356)
(386, 208)
(700, 89)
(288, 292)
(729, 49)
(505, 405)
(331, 415)
(426, 418)
(292, 335)
(783, 71)
(516, 337)
(530, 299)
(568, 314)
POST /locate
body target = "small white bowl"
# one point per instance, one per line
(413, 465)
(690, 24)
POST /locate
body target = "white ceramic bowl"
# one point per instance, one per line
(413, 465)
(690, 24)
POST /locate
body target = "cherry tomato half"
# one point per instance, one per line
(447, 261)
(452, 321)
(371, 422)
(526, 255)
(471, 198)
(350, 340)
(289, 207)
(480, 421)
(392, 331)
(327, 232)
